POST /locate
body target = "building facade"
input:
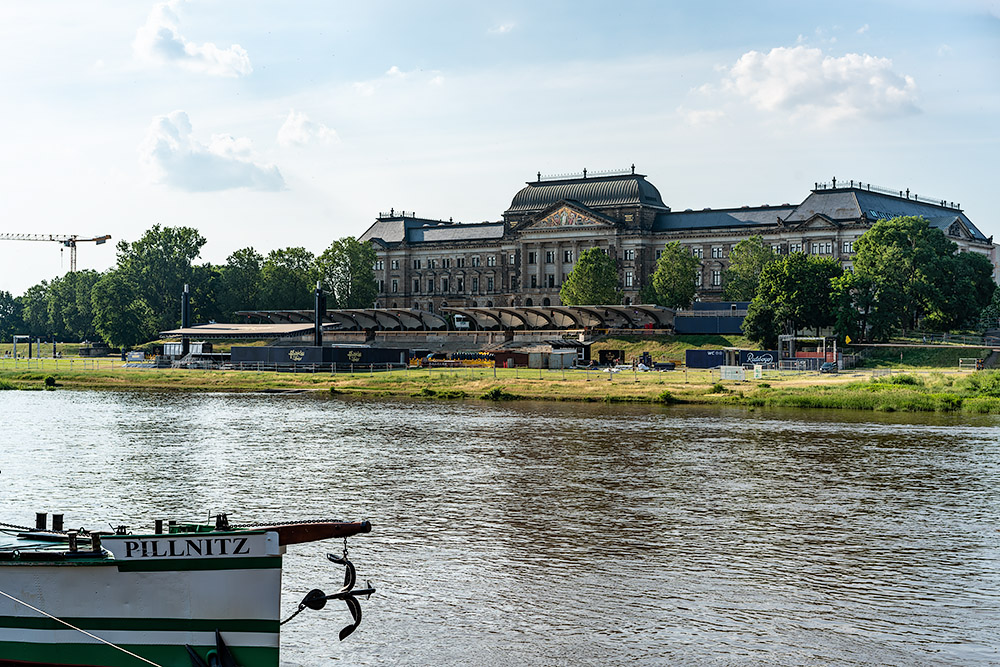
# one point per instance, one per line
(523, 259)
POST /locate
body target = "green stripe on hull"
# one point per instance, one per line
(105, 656)
(190, 564)
(162, 624)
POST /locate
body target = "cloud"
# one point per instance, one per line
(397, 79)
(863, 29)
(176, 159)
(298, 130)
(697, 117)
(501, 29)
(158, 41)
(803, 83)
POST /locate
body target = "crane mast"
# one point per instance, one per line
(69, 241)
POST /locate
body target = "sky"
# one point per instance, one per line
(275, 125)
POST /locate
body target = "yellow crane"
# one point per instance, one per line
(67, 242)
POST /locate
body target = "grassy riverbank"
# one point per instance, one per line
(924, 390)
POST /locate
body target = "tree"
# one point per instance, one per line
(917, 279)
(746, 261)
(156, 268)
(593, 281)
(69, 306)
(795, 292)
(288, 280)
(673, 283)
(241, 282)
(35, 309)
(10, 316)
(121, 317)
(346, 270)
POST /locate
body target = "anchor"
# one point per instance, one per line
(316, 599)
(219, 657)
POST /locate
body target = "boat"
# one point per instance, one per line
(185, 594)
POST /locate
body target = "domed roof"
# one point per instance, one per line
(619, 190)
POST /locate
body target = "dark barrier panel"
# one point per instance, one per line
(308, 354)
(704, 358)
(763, 357)
(707, 325)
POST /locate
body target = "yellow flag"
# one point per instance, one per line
(847, 340)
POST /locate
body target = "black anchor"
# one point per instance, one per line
(316, 599)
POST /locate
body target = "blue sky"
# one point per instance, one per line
(293, 124)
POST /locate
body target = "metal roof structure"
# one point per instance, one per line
(568, 317)
(616, 190)
(359, 319)
(250, 331)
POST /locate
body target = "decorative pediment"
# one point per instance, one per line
(563, 214)
(958, 229)
(816, 221)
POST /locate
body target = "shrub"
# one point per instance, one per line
(50, 381)
(498, 394)
(717, 388)
(7, 385)
(666, 398)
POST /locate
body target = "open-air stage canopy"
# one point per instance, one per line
(492, 318)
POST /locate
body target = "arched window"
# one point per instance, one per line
(528, 302)
(546, 302)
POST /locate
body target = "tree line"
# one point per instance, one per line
(140, 296)
(905, 275)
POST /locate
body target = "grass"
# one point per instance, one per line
(918, 391)
(921, 357)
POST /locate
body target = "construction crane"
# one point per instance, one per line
(67, 242)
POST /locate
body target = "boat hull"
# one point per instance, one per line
(158, 594)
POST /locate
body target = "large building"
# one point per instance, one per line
(523, 259)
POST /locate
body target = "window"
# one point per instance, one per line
(513, 282)
(433, 263)
(534, 280)
(446, 262)
(822, 248)
(491, 260)
(698, 280)
(511, 259)
(416, 286)
(550, 279)
(630, 255)
(698, 252)
(550, 256)
(716, 278)
(848, 247)
(460, 262)
(460, 285)
(531, 257)
(794, 247)
(489, 284)
(444, 284)
(717, 252)
(776, 248)
(416, 264)
(629, 279)
(659, 253)
(395, 264)
(475, 285)
(395, 286)
(379, 265)
(567, 256)
(381, 286)
(430, 285)
(475, 260)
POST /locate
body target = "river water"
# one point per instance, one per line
(557, 533)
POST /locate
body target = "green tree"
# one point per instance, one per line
(206, 288)
(156, 268)
(122, 318)
(673, 283)
(746, 261)
(288, 279)
(917, 279)
(35, 309)
(593, 281)
(69, 306)
(795, 292)
(346, 270)
(241, 282)
(10, 316)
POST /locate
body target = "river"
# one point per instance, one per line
(561, 533)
